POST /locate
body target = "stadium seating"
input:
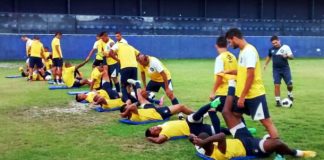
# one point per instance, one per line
(91, 24)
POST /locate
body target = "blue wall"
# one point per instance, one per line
(78, 46)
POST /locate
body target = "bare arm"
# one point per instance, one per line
(90, 53)
(143, 79)
(165, 80)
(220, 138)
(130, 109)
(100, 101)
(113, 55)
(218, 82)
(92, 84)
(247, 87)
(158, 140)
(82, 64)
(268, 59)
(232, 72)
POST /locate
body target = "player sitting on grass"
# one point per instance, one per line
(69, 75)
(243, 144)
(105, 97)
(149, 111)
(193, 124)
(95, 78)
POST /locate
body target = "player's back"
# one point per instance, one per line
(127, 55)
(36, 48)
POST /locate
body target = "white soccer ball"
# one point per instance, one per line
(200, 149)
(287, 103)
(48, 77)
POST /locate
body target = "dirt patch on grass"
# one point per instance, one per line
(10, 65)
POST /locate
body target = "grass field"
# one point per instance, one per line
(34, 125)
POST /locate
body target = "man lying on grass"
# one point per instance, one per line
(105, 97)
(193, 124)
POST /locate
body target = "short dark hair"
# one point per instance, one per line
(234, 32)
(118, 32)
(148, 133)
(103, 33)
(58, 33)
(122, 108)
(36, 37)
(275, 37)
(23, 36)
(221, 42)
(77, 98)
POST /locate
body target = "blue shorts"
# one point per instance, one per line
(111, 93)
(282, 73)
(127, 73)
(155, 86)
(97, 62)
(77, 83)
(197, 128)
(35, 61)
(58, 62)
(256, 107)
(113, 70)
(252, 145)
(165, 112)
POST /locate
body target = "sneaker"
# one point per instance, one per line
(133, 81)
(215, 103)
(278, 104)
(60, 83)
(252, 130)
(181, 116)
(309, 154)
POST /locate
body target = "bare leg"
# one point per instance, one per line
(272, 130)
(180, 108)
(276, 145)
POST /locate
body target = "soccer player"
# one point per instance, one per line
(69, 75)
(99, 56)
(95, 78)
(57, 58)
(127, 58)
(28, 43)
(250, 92)
(280, 67)
(36, 51)
(193, 124)
(120, 38)
(47, 64)
(159, 75)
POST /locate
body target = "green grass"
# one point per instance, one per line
(26, 132)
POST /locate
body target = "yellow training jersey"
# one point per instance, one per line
(49, 63)
(145, 115)
(56, 42)
(101, 48)
(224, 62)
(154, 68)
(113, 103)
(110, 61)
(175, 128)
(126, 54)
(90, 96)
(234, 148)
(68, 76)
(96, 75)
(36, 48)
(249, 58)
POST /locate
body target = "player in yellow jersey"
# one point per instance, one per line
(193, 124)
(250, 92)
(47, 64)
(106, 97)
(69, 75)
(36, 50)
(127, 58)
(99, 58)
(243, 144)
(96, 76)
(57, 58)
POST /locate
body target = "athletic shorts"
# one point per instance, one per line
(253, 146)
(282, 73)
(198, 127)
(165, 112)
(221, 106)
(155, 86)
(127, 73)
(58, 62)
(113, 70)
(35, 61)
(77, 83)
(104, 61)
(256, 107)
(111, 93)
(97, 62)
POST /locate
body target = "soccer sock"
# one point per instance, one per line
(298, 153)
(137, 85)
(215, 121)
(277, 98)
(175, 101)
(153, 101)
(117, 87)
(290, 94)
(125, 94)
(200, 113)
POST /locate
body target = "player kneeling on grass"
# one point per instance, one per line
(105, 97)
(193, 124)
(69, 77)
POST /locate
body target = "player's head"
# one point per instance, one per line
(275, 41)
(221, 43)
(67, 64)
(143, 59)
(80, 97)
(58, 35)
(104, 36)
(24, 38)
(118, 36)
(123, 108)
(36, 38)
(234, 36)
(46, 49)
(153, 131)
(100, 67)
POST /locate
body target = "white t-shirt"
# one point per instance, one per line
(95, 45)
(248, 57)
(219, 65)
(155, 65)
(284, 50)
(110, 44)
(28, 42)
(123, 41)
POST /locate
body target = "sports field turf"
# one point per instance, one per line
(36, 123)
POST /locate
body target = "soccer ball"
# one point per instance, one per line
(48, 77)
(287, 103)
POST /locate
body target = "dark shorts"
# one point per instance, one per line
(127, 73)
(256, 107)
(155, 86)
(113, 70)
(163, 111)
(35, 61)
(251, 144)
(97, 62)
(57, 62)
(197, 128)
(104, 61)
(77, 83)
(111, 93)
(282, 73)
(221, 106)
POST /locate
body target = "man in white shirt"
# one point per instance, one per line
(120, 38)
(28, 44)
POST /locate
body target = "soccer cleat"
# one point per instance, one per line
(291, 97)
(181, 116)
(309, 154)
(215, 103)
(252, 130)
(133, 81)
(278, 104)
